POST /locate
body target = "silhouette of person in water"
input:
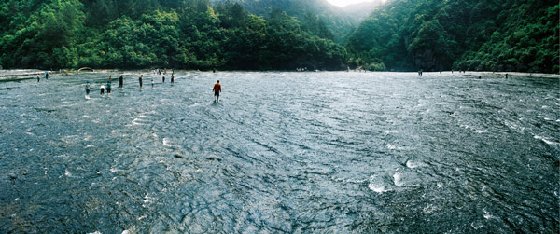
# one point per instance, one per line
(121, 83)
(88, 88)
(109, 86)
(217, 89)
(140, 80)
(102, 90)
(38, 78)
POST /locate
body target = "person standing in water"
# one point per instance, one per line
(47, 75)
(38, 78)
(121, 82)
(109, 86)
(152, 82)
(140, 80)
(88, 88)
(162, 79)
(172, 78)
(217, 89)
(102, 90)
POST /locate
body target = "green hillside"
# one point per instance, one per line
(403, 35)
(189, 34)
(494, 35)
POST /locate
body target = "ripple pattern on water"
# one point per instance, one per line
(281, 152)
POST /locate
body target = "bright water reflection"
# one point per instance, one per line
(283, 152)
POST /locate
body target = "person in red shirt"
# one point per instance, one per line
(217, 89)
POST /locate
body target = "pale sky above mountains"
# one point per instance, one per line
(343, 3)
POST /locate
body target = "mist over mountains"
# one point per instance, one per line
(340, 20)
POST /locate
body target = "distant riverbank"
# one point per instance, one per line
(24, 74)
(19, 74)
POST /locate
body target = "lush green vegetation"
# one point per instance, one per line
(490, 35)
(188, 34)
(404, 35)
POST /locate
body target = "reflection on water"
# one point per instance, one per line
(281, 152)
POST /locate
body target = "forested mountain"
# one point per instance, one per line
(403, 35)
(491, 35)
(190, 34)
(317, 15)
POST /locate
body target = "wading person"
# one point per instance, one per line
(88, 88)
(217, 89)
(172, 78)
(162, 79)
(38, 78)
(102, 90)
(108, 87)
(140, 80)
(121, 82)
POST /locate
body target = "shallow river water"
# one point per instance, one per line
(281, 152)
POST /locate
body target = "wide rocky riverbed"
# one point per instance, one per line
(282, 152)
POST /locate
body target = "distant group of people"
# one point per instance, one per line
(162, 71)
(106, 88)
(141, 80)
(46, 76)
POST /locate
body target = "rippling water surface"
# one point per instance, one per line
(282, 152)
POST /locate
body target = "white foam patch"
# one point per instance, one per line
(114, 170)
(391, 146)
(88, 137)
(413, 164)
(545, 140)
(378, 188)
(135, 121)
(472, 128)
(430, 208)
(487, 215)
(166, 142)
(397, 179)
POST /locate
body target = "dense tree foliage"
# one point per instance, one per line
(316, 15)
(404, 35)
(495, 35)
(189, 34)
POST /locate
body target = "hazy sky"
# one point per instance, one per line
(342, 3)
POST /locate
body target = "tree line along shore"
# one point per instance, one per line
(28, 74)
(478, 35)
